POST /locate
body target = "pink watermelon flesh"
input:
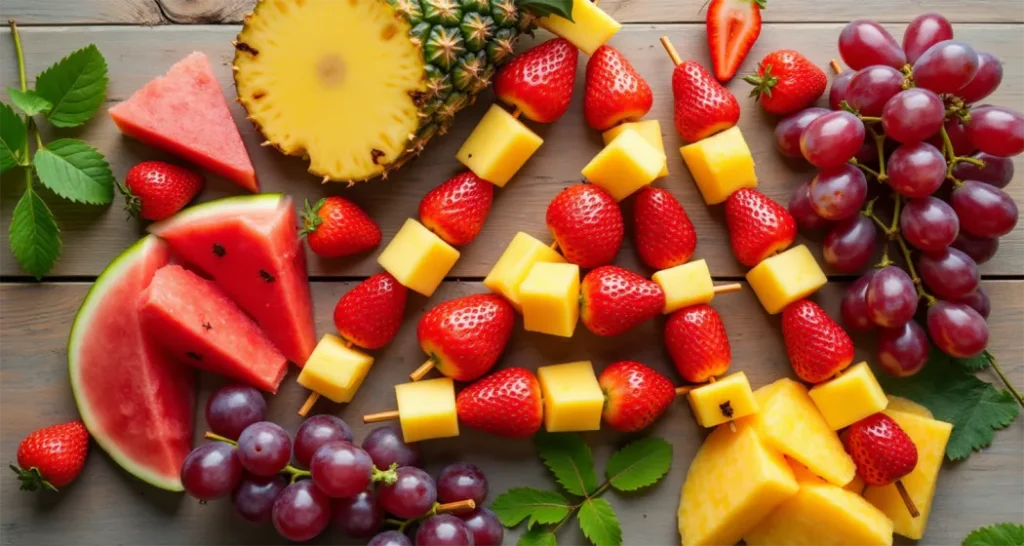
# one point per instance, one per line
(197, 323)
(185, 113)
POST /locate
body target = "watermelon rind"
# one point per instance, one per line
(224, 207)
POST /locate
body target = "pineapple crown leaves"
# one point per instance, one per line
(561, 8)
(763, 83)
(311, 217)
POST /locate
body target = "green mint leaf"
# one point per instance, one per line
(540, 8)
(34, 236)
(639, 464)
(75, 86)
(599, 523)
(569, 459)
(12, 138)
(537, 537)
(519, 503)
(75, 171)
(1000, 534)
(28, 101)
(975, 363)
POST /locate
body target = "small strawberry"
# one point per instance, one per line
(370, 314)
(587, 225)
(506, 403)
(155, 190)
(882, 451)
(758, 226)
(635, 395)
(786, 82)
(615, 92)
(817, 346)
(697, 342)
(464, 337)
(614, 300)
(702, 106)
(664, 234)
(457, 209)
(52, 457)
(336, 227)
(732, 26)
(539, 81)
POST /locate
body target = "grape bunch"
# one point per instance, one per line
(332, 480)
(909, 160)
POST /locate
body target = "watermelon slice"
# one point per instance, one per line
(190, 318)
(185, 113)
(135, 400)
(250, 246)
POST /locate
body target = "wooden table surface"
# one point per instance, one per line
(142, 38)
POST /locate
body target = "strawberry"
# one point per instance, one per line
(697, 343)
(733, 26)
(664, 234)
(635, 395)
(457, 209)
(786, 82)
(758, 226)
(464, 337)
(336, 227)
(615, 300)
(155, 190)
(615, 92)
(506, 403)
(370, 314)
(817, 346)
(539, 81)
(702, 106)
(882, 451)
(52, 457)
(587, 225)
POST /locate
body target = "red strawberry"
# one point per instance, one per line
(52, 457)
(155, 190)
(882, 451)
(664, 235)
(817, 346)
(702, 106)
(587, 225)
(539, 81)
(506, 403)
(635, 395)
(336, 227)
(758, 226)
(786, 82)
(733, 26)
(615, 91)
(615, 300)
(697, 343)
(464, 337)
(370, 314)
(457, 209)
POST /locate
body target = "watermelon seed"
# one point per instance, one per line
(193, 356)
(219, 250)
(207, 326)
(726, 408)
(267, 277)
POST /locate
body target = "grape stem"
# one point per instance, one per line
(921, 293)
(880, 146)
(952, 159)
(995, 366)
(438, 508)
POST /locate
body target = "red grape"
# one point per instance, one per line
(902, 351)
(923, 32)
(863, 43)
(412, 495)
(443, 530)
(832, 139)
(317, 431)
(788, 131)
(867, 154)
(946, 66)
(358, 516)
(979, 249)
(916, 170)
(984, 210)
(486, 529)
(803, 213)
(871, 87)
(390, 538)
(949, 274)
(957, 329)
(996, 130)
(254, 498)
(838, 193)
(854, 308)
(341, 469)
(301, 511)
(264, 448)
(929, 224)
(851, 243)
(387, 447)
(997, 171)
(891, 297)
(978, 300)
(913, 115)
(985, 81)
(211, 471)
(461, 481)
(837, 92)
(231, 408)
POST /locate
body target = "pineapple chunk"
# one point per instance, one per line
(685, 285)
(852, 396)
(784, 278)
(335, 370)
(418, 258)
(804, 474)
(625, 165)
(724, 400)
(589, 29)
(734, 481)
(512, 267)
(550, 296)
(720, 164)
(573, 400)
(498, 147)
(426, 409)
(905, 405)
(650, 129)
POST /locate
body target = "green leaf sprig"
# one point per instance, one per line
(67, 94)
(540, 8)
(635, 466)
(1000, 534)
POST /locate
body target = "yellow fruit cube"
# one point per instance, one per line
(789, 421)
(650, 129)
(930, 436)
(804, 474)
(685, 285)
(852, 396)
(724, 400)
(418, 258)
(720, 164)
(589, 29)
(335, 370)
(625, 165)
(426, 409)
(784, 278)
(572, 398)
(905, 405)
(550, 296)
(734, 481)
(511, 268)
(498, 147)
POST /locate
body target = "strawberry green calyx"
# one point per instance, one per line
(762, 83)
(561, 8)
(132, 203)
(32, 479)
(311, 217)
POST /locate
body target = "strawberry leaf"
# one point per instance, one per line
(561, 8)
(34, 236)
(537, 537)
(599, 523)
(519, 503)
(75, 85)
(1000, 534)
(28, 101)
(639, 464)
(75, 171)
(570, 460)
(12, 139)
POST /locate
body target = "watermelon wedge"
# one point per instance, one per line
(250, 247)
(135, 400)
(185, 113)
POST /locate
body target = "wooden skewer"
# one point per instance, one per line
(314, 396)
(517, 112)
(423, 370)
(726, 288)
(458, 506)
(671, 50)
(835, 66)
(914, 512)
(381, 416)
(554, 246)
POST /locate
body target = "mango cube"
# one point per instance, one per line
(734, 482)
(589, 29)
(720, 164)
(498, 147)
(550, 296)
(625, 165)
(512, 267)
(786, 277)
(852, 396)
(418, 258)
(334, 370)
(906, 405)
(650, 129)
(724, 400)
(572, 398)
(685, 285)
(426, 409)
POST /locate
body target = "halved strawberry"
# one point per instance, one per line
(733, 26)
